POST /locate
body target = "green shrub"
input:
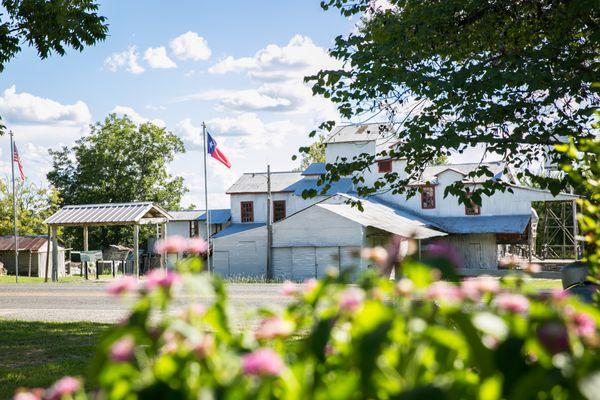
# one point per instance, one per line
(419, 338)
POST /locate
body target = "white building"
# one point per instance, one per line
(312, 234)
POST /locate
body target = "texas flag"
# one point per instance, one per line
(214, 151)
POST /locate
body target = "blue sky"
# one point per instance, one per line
(237, 65)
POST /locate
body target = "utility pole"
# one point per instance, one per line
(269, 227)
(207, 219)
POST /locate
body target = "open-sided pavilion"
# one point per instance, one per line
(109, 214)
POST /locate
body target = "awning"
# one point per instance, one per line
(109, 214)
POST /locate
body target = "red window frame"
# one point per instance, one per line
(278, 210)
(247, 211)
(384, 166)
(423, 205)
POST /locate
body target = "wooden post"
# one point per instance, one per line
(31, 255)
(54, 254)
(84, 265)
(47, 256)
(113, 268)
(575, 230)
(136, 251)
(163, 257)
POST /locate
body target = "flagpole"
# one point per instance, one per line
(207, 214)
(14, 193)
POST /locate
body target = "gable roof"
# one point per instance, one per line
(315, 169)
(359, 133)
(219, 216)
(237, 228)
(186, 215)
(344, 185)
(26, 243)
(108, 214)
(257, 182)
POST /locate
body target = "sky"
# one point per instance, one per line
(237, 65)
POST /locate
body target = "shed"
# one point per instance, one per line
(33, 253)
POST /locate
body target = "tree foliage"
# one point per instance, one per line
(315, 153)
(118, 162)
(511, 78)
(34, 205)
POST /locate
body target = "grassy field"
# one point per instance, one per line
(35, 354)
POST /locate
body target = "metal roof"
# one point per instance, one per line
(238, 228)
(381, 217)
(344, 185)
(219, 216)
(431, 173)
(108, 214)
(315, 169)
(483, 223)
(26, 243)
(359, 133)
(257, 182)
(186, 215)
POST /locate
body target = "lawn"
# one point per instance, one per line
(35, 354)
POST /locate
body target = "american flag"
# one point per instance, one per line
(17, 159)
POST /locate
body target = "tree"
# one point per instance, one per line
(512, 78)
(34, 205)
(118, 162)
(49, 26)
(315, 153)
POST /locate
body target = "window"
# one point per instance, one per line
(194, 228)
(384, 166)
(428, 197)
(278, 210)
(247, 211)
(472, 209)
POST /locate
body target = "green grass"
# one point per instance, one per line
(536, 285)
(35, 279)
(35, 354)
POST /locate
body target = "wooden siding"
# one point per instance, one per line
(246, 253)
(479, 251)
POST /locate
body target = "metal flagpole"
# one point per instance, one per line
(207, 223)
(14, 193)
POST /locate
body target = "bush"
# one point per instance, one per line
(419, 338)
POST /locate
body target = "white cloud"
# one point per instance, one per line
(243, 100)
(25, 108)
(136, 117)
(190, 46)
(300, 57)
(127, 59)
(157, 57)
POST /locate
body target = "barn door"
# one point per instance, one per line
(304, 263)
(474, 256)
(326, 257)
(221, 262)
(282, 262)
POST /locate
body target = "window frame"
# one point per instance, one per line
(388, 166)
(275, 219)
(250, 211)
(433, 197)
(194, 228)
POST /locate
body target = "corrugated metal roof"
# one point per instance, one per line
(219, 216)
(97, 214)
(431, 172)
(237, 228)
(186, 215)
(382, 217)
(344, 185)
(359, 133)
(257, 182)
(26, 243)
(315, 169)
(483, 223)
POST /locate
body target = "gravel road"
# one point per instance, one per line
(89, 302)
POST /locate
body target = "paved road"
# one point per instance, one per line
(89, 302)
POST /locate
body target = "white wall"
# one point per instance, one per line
(349, 150)
(178, 228)
(293, 204)
(241, 254)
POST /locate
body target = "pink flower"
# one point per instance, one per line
(310, 284)
(511, 302)
(444, 292)
(532, 268)
(289, 289)
(404, 287)
(273, 327)
(351, 299)
(171, 244)
(64, 387)
(475, 287)
(197, 246)
(122, 286)
(584, 324)
(378, 255)
(205, 346)
(443, 249)
(122, 349)
(26, 396)
(262, 362)
(160, 278)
